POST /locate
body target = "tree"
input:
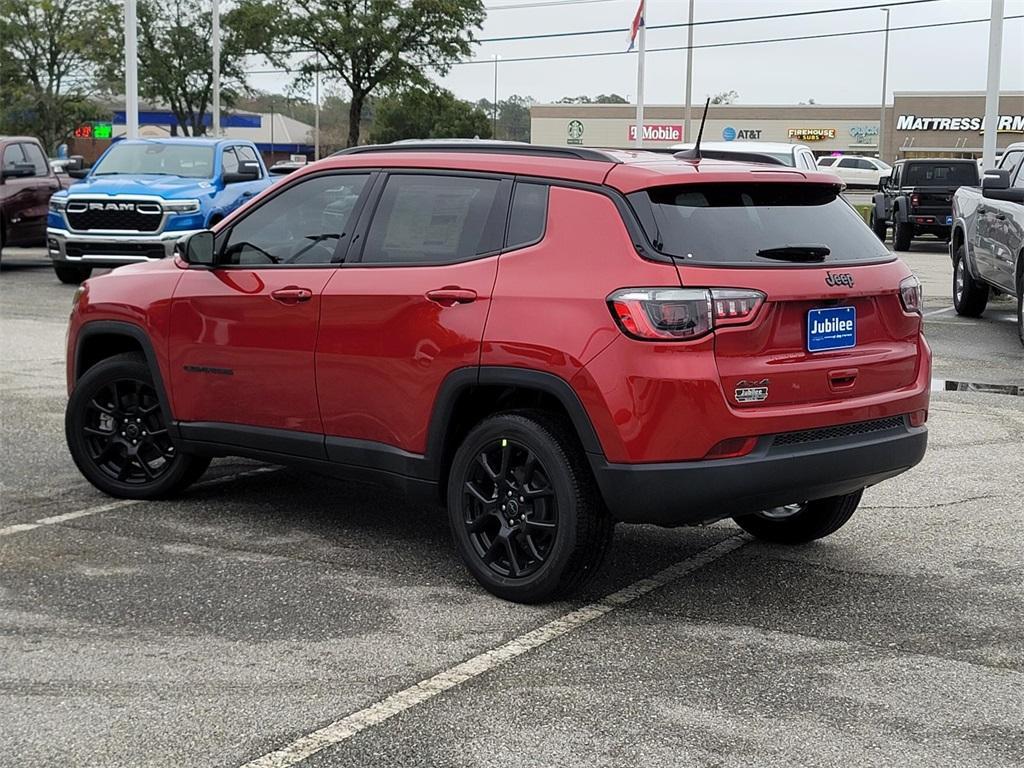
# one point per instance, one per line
(176, 57)
(47, 49)
(513, 117)
(725, 97)
(370, 45)
(428, 113)
(604, 98)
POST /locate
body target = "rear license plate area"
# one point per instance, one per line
(831, 328)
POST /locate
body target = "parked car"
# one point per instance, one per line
(142, 195)
(793, 155)
(917, 199)
(26, 183)
(987, 247)
(549, 339)
(856, 172)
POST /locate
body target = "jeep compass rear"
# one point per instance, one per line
(549, 339)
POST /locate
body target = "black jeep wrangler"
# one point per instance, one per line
(917, 199)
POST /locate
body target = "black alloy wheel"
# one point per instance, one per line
(125, 434)
(509, 509)
(117, 433)
(524, 508)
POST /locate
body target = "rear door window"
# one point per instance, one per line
(433, 219)
(826, 161)
(727, 224)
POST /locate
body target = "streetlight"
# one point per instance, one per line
(215, 34)
(494, 106)
(885, 74)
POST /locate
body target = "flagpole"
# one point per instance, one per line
(640, 78)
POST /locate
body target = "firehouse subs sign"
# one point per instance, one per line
(812, 134)
(1005, 124)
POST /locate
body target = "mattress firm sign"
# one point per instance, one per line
(1005, 124)
(658, 132)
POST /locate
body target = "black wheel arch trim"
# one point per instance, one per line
(458, 381)
(137, 333)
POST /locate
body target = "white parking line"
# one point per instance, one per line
(375, 714)
(22, 527)
(937, 312)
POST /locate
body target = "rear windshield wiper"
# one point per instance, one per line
(796, 252)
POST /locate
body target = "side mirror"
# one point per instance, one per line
(995, 180)
(76, 168)
(883, 182)
(248, 170)
(19, 171)
(198, 249)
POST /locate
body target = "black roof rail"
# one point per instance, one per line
(488, 147)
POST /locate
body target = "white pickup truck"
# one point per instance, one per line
(987, 243)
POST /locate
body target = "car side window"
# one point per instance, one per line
(1011, 162)
(894, 178)
(529, 215)
(303, 224)
(246, 154)
(229, 161)
(13, 156)
(34, 155)
(427, 219)
(825, 162)
(848, 162)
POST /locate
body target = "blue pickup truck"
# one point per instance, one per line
(143, 195)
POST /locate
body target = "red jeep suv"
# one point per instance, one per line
(550, 339)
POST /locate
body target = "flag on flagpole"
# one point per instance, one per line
(638, 21)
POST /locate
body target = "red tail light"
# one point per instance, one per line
(914, 200)
(673, 314)
(911, 295)
(918, 418)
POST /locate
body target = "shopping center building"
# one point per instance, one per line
(917, 124)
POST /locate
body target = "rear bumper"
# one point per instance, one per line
(777, 472)
(110, 250)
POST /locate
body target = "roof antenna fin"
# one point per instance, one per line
(694, 152)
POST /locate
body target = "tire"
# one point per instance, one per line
(801, 523)
(902, 234)
(880, 228)
(969, 296)
(72, 275)
(528, 530)
(141, 462)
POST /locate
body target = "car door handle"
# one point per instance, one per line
(451, 295)
(291, 295)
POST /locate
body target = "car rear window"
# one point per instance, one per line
(727, 224)
(940, 175)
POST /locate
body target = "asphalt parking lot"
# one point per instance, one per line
(262, 617)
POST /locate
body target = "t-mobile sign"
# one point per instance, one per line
(658, 132)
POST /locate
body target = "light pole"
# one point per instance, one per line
(316, 127)
(215, 34)
(494, 106)
(131, 71)
(689, 73)
(995, 52)
(885, 75)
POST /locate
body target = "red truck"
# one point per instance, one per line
(26, 183)
(548, 339)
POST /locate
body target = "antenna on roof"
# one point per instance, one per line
(694, 152)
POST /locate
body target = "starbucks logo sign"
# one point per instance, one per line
(575, 132)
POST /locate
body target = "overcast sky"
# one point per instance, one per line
(830, 71)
